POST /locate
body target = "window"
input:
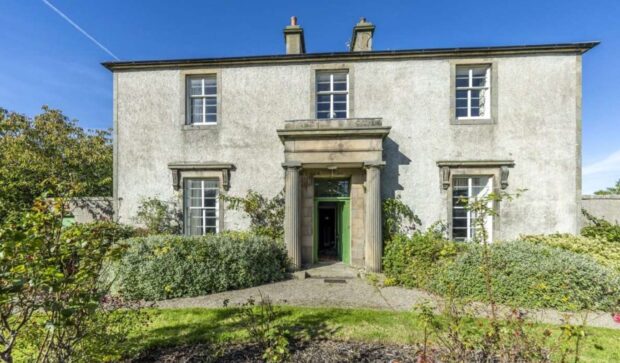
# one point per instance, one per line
(331, 188)
(463, 220)
(473, 96)
(201, 206)
(202, 100)
(332, 95)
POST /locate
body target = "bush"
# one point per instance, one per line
(413, 261)
(605, 252)
(398, 218)
(531, 275)
(266, 214)
(158, 217)
(601, 229)
(161, 267)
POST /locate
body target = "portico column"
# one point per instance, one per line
(292, 212)
(373, 249)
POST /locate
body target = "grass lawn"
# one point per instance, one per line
(183, 326)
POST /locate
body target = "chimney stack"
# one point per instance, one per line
(361, 41)
(294, 38)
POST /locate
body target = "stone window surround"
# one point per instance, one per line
(181, 171)
(331, 67)
(494, 91)
(185, 112)
(497, 169)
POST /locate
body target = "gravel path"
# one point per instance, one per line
(347, 291)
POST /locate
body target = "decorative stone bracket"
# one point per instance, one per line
(177, 168)
(447, 167)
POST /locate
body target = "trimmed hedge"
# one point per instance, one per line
(603, 251)
(169, 266)
(532, 275)
(413, 261)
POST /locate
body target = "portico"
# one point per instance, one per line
(334, 164)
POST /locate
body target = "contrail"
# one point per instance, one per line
(80, 29)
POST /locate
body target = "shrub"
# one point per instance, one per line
(605, 252)
(531, 275)
(158, 217)
(160, 267)
(398, 218)
(600, 228)
(413, 261)
(266, 214)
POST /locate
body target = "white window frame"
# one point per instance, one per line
(331, 92)
(202, 207)
(488, 224)
(204, 97)
(469, 88)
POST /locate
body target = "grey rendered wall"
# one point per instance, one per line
(537, 126)
(602, 206)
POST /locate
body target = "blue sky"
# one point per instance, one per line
(45, 60)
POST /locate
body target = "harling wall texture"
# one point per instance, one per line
(537, 124)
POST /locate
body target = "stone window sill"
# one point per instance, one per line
(199, 127)
(472, 121)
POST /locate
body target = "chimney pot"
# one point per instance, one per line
(293, 20)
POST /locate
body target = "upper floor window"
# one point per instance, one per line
(201, 206)
(473, 92)
(202, 100)
(464, 189)
(332, 94)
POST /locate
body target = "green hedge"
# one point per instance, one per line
(603, 251)
(532, 275)
(413, 261)
(161, 267)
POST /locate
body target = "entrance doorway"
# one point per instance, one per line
(332, 221)
(329, 247)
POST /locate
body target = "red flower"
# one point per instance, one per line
(616, 317)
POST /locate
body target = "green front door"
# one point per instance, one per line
(332, 223)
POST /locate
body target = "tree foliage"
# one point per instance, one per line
(611, 190)
(51, 292)
(50, 154)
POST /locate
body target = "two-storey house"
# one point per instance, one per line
(340, 132)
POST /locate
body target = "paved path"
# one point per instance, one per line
(339, 286)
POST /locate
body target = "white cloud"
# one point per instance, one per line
(601, 174)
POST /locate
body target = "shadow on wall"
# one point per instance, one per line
(86, 210)
(393, 160)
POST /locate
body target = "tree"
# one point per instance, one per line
(50, 154)
(611, 190)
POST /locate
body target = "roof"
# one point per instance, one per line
(571, 48)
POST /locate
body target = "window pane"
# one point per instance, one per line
(462, 71)
(479, 82)
(458, 222)
(340, 107)
(211, 90)
(212, 184)
(475, 111)
(462, 81)
(323, 98)
(322, 107)
(322, 87)
(211, 110)
(461, 94)
(322, 115)
(323, 77)
(195, 86)
(340, 98)
(210, 230)
(340, 77)
(340, 86)
(461, 112)
(479, 71)
(462, 103)
(331, 188)
(340, 114)
(459, 213)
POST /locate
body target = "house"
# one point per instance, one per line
(342, 131)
